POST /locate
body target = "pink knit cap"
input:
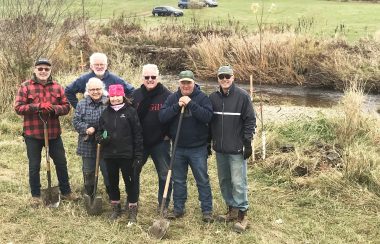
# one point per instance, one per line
(116, 90)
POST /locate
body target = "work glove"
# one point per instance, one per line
(46, 107)
(247, 152)
(102, 138)
(209, 151)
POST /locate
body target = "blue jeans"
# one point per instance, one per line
(57, 153)
(196, 158)
(160, 155)
(89, 167)
(232, 174)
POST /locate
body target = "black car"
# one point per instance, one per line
(166, 11)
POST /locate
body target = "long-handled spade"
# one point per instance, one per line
(50, 196)
(93, 203)
(161, 226)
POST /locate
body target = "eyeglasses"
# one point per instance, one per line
(153, 77)
(94, 89)
(42, 69)
(222, 76)
(99, 65)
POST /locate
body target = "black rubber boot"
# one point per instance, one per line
(89, 182)
(116, 211)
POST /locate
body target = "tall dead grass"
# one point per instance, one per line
(289, 58)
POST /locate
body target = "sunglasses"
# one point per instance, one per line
(222, 76)
(42, 69)
(153, 77)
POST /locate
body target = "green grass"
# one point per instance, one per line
(354, 19)
(321, 208)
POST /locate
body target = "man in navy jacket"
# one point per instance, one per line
(192, 142)
(98, 65)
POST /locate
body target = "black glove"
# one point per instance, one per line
(209, 151)
(102, 137)
(247, 151)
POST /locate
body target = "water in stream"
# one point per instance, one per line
(288, 95)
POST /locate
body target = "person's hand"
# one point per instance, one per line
(46, 107)
(90, 131)
(185, 100)
(209, 151)
(102, 137)
(247, 151)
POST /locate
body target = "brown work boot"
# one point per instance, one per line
(231, 215)
(116, 211)
(242, 222)
(35, 202)
(70, 197)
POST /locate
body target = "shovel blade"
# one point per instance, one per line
(159, 228)
(51, 197)
(93, 206)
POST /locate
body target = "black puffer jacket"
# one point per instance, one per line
(124, 129)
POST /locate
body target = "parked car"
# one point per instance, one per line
(211, 3)
(191, 4)
(167, 11)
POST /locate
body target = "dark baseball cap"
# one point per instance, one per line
(42, 61)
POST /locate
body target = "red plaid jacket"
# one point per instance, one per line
(28, 99)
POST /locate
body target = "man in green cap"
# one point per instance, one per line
(232, 128)
(192, 142)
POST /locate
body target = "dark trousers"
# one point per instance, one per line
(114, 166)
(57, 153)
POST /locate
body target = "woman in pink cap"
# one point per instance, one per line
(122, 143)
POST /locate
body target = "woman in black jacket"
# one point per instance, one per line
(122, 143)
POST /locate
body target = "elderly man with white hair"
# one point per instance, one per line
(86, 123)
(98, 66)
(148, 99)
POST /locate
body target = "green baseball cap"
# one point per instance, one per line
(187, 75)
(225, 70)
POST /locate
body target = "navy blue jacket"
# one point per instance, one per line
(198, 113)
(79, 85)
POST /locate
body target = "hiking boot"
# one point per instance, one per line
(35, 202)
(70, 197)
(132, 214)
(231, 215)
(207, 217)
(175, 215)
(242, 222)
(116, 211)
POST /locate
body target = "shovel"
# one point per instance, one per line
(93, 204)
(50, 196)
(161, 226)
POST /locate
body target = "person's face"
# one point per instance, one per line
(99, 66)
(225, 81)
(150, 79)
(115, 100)
(95, 91)
(186, 87)
(42, 72)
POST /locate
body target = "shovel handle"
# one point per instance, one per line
(46, 139)
(98, 147)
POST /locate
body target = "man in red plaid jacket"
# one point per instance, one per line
(42, 98)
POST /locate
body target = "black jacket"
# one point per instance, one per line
(148, 105)
(233, 123)
(198, 113)
(124, 129)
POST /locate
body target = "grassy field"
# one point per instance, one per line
(353, 19)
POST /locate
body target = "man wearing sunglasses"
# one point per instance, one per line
(98, 66)
(148, 99)
(232, 128)
(41, 99)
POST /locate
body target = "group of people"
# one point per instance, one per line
(133, 124)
